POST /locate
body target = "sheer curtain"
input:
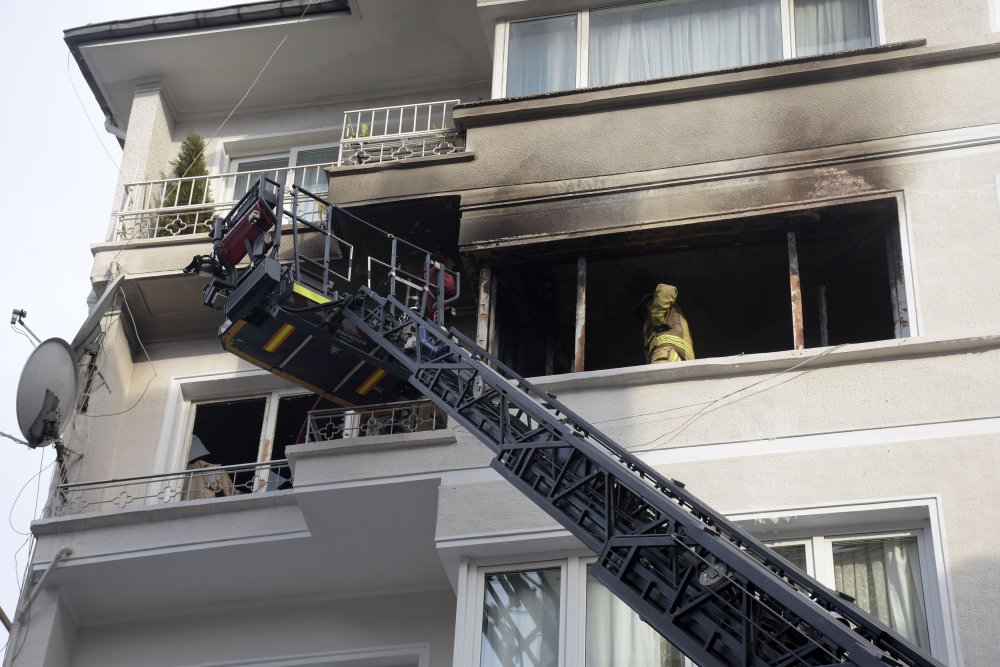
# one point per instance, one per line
(826, 26)
(521, 619)
(640, 42)
(883, 576)
(541, 56)
(616, 635)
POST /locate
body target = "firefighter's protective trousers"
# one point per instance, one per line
(665, 331)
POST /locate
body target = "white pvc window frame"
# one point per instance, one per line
(502, 35)
(477, 592)
(815, 528)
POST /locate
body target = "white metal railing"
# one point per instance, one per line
(384, 419)
(151, 490)
(179, 206)
(398, 132)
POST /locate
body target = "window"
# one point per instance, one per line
(556, 613)
(270, 167)
(881, 572)
(521, 618)
(615, 635)
(734, 280)
(671, 38)
(247, 431)
(309, 162)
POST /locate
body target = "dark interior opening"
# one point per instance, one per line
(232, 430)
(733, 286)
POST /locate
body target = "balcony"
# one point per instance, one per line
(386, 134)
(188, 206)
(221, 481)
(178, 207)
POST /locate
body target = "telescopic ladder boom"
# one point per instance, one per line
(710, 588)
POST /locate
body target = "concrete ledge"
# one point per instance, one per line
(883, 59)
(410, 163)
(167, 512)
(369, 443)
(699, 369)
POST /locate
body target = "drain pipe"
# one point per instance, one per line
(112, 128)
(19, 614)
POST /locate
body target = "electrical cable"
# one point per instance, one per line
(251, 87)
(100, 140)
(714, 405)
(18, 331)
(13, 506)
(152, 366)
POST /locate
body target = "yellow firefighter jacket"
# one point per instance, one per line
(665, 331)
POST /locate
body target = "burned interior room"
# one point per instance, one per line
(735, 281)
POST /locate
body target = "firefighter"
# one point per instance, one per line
(665, 332)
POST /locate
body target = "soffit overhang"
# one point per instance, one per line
(349, 50)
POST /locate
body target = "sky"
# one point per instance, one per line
(60, 174)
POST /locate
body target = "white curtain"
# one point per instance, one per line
(827, 26)
(521, 619)
(541, 56)
(883, 576)
(616, 636)
(641, 42)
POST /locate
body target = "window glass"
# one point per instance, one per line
(521, 619)
(883, 576)
(793, 553)
(541, 56)
(314, 178)
(826, 26)
(656, 40)
(270, 166)
(617, 636)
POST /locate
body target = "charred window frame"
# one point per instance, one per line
(252, 429)
(809, 278)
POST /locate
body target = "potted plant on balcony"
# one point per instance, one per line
(192, 190)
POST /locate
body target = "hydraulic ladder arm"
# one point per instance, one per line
(716, 592)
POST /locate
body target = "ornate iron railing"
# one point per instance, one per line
(385, 419)
(170, 207)
(400, 132)
(151, 490)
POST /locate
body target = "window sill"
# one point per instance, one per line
(699, 369)
(876, 60)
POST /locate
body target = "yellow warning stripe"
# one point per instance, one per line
(315, 297)
(283, 332)
(372, 380)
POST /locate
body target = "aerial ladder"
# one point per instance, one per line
(713, 590)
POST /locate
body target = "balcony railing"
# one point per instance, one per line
(171, 207)
(386, 419)
(153, 490)
(401, 132)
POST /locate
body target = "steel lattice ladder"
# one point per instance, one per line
(714, 591)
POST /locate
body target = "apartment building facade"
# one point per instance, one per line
(819, 178)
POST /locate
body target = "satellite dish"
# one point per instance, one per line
(46, 393)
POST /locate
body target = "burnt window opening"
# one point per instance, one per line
(240, 432)
(734, 286)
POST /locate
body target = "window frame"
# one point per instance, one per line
(272, 400)
(813, 527)
(479, 575)
(502, 35)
